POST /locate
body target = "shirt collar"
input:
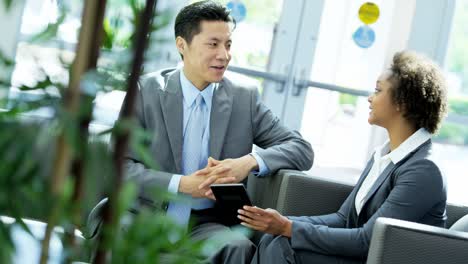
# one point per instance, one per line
(190, 92)
(410, 144)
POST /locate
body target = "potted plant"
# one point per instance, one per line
(49, 168)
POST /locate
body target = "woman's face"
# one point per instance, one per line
(383, 110)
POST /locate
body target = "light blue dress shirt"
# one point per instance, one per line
(190, 93)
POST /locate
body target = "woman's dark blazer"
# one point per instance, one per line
(413, 190)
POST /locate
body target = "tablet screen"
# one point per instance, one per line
(231, 194)
(230, 198)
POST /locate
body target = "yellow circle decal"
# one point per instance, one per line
(369, 13)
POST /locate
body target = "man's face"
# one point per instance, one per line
(207, 56)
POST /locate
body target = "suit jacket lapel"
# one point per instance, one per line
(359, 183)
(389, 170)
(365, 172)
(380, 179)
(220, 114)
(172, 108)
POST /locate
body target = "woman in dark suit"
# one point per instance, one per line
(400, 181)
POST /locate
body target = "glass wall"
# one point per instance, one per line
(336, 123)
(452, 140)
(254, 33)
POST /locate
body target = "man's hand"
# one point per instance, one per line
(190, 184)
(234, 169)
(265, 220)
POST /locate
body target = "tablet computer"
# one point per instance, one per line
(230, 198)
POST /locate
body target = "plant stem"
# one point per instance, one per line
(78, 166)
(79, 163)
(110, 213)
(86, 57)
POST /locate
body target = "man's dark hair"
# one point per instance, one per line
(187, 23)
(420, 88)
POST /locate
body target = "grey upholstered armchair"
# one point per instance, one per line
(393, 241)
(396, 241)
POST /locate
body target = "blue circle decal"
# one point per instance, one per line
(238, 10)
(364, 37)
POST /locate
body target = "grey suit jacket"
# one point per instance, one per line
(413, 190)
(238, 121)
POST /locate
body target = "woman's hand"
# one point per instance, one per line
(265, 220)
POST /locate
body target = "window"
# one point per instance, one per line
(452, 141)
(34, 58)
(336, 123)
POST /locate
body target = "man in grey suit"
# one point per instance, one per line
(401, 180)
(204, 127)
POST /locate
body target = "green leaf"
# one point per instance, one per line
(7, 61)
(21, 223)
(109, 35)
(142, 151)
(7, 4)
(126, 197)
(6, 241)
(47, 82)
(50, 31)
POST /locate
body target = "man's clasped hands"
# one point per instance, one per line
(198, 183)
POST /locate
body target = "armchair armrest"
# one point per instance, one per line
(94, 221)
(293, 192)
(302, 194)
(397, 241)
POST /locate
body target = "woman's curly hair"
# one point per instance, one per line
(419, 88)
